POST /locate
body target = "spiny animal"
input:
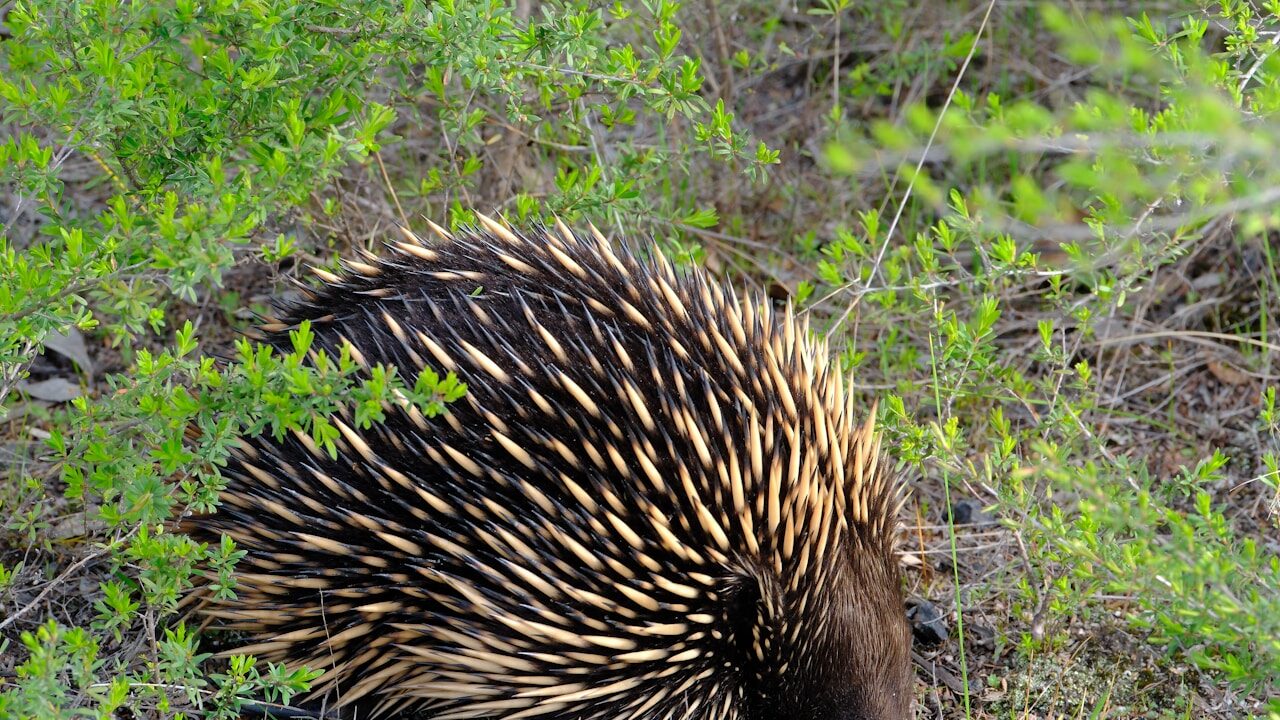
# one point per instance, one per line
(654, 501)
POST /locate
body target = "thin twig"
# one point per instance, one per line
(324, 30)
(1191, 336)
(71, 570)
(722, 48)
(377, 154)
(906, 196)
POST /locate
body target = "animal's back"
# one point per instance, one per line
(653, 501)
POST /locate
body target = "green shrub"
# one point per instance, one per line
(1167, 141)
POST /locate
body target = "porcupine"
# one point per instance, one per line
(654, 500)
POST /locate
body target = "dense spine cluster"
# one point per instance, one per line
(654, 501)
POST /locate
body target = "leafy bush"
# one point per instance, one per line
(1168, 143)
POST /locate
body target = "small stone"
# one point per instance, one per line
(969, 512)
(927, 624)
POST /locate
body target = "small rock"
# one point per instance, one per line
(927, 624)
(70, 344)
(51, 390)
(969, 512)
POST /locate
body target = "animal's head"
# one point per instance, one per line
(823, 635)
(840, 653)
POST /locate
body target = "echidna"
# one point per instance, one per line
(654, 501)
